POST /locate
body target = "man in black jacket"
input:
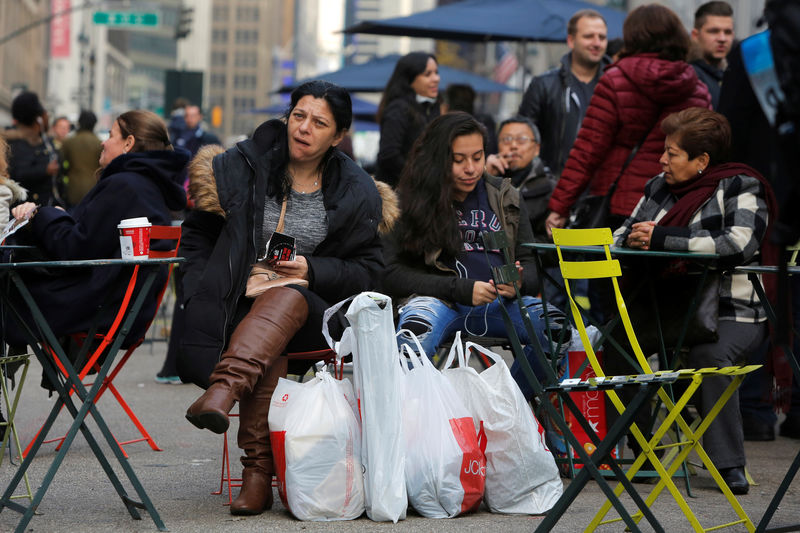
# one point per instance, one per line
(712, 38)
(557, 100)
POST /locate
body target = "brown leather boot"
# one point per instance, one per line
(258, 340)
(253, 438)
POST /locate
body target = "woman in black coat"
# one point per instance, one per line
(410, 102)
(332, 209)
(138, 179)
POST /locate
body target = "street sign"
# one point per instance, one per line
(125, 18)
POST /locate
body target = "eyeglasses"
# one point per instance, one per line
(521, 139)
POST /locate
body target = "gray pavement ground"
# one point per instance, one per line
(180, 479)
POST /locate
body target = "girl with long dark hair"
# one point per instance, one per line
(435, 259)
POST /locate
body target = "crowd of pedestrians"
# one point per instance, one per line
(640, 124)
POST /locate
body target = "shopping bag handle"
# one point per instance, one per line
(420, 358)
(485, 351)
(456, 349)
(344, 346)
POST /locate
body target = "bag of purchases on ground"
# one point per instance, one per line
(377, 381)
(445, 468)
(316, 443)
(521, 474)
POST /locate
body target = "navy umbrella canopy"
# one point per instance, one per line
(492, 20)
(373, 75)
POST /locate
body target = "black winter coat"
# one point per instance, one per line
(402, 123)
(132, 185)
(221, 238)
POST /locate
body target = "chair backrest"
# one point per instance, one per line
(594, 269)
(171, 233)
(793, 258)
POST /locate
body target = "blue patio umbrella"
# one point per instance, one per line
(373, 75)
(492, 20)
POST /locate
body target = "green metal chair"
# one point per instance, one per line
(9, 426)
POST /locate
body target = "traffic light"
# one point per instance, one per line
(184, 26)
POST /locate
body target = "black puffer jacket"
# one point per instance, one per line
(220, 238)
(549, 102)
(402, 123)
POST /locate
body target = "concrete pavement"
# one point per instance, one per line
(180, 479)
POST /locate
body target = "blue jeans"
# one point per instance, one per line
(434, 322)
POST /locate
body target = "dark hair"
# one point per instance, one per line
(614, 46)
(87, 120)
(148, 130)
(698, 130)
(714, 9)
(460, 97)
(407, 68)
(428, 219)
(338, 100)
(519, 119)
(572, 25)
(26, 108)
(653, 28)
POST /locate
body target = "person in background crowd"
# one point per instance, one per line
(435, 259)
(60, 131)
(81, 155)
(556, 101)
(33, 162)
(195, 135)
(461, 97)
(233, 345)
(409, 102)
(712, 38)
(520, 143)
(136, 181)
(675, 214)
(176, 125)
(650, 81)
(758, 144)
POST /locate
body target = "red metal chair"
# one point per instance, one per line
(164, 233)
(326, 356)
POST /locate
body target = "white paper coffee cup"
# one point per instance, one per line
(134, 237)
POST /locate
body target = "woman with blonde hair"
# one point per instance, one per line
(11, 192)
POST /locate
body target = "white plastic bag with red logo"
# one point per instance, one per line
(445, 467)
(521, 474)
(316, 444)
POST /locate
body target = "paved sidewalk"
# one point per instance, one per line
(181, 478)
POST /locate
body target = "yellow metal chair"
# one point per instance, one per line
(11, 408)
(691, 434)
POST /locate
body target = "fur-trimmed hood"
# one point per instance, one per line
(18, 192)
(203, 189)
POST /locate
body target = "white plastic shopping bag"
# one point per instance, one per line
(521, 474)
(316, 443)
(377, 380)
(445, 467)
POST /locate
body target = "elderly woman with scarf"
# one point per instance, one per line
(703, 203)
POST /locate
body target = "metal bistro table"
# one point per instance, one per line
(753, 273)
(40, 333)
(704, 260)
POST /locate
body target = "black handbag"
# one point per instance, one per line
(671, 291)
(592, 210)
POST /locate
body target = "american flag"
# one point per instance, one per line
(506, 63)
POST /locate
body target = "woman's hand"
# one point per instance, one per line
(507, 289)
(554, 220)
(483, 293)
(292, 269)
(496, 165)
(641, 235)
(24, 211)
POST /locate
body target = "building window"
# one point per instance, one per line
(219, 36)
(247, 14)
(244, 81)
(220, 14)
(218, 81)
(219, 58)
(246, 58)
(246, 36)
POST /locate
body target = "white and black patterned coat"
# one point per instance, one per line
(732, 223)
